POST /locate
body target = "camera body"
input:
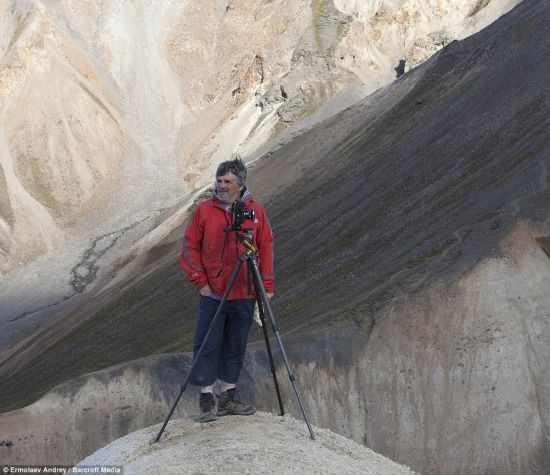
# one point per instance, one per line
(241, 213)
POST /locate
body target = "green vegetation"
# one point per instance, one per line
(544, 243)
(317, 8)
(329, 27)
(531, 26)
(20, 23)
(6, 213)
(421, 258)
(31, 173)
(481, 4)
(535, 106)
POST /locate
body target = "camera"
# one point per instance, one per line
(241, 213)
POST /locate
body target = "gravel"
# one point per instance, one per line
(259, 444)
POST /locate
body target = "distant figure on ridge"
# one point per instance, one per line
(400, 68)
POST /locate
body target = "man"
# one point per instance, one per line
(209, 256)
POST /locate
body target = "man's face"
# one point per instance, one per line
(228, 188)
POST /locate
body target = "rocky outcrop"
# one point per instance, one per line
(109, 404)
(116, 402)
(262, 443)
(451, 380)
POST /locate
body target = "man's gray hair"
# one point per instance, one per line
(236, 166)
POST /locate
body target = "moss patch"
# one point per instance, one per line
(6, 213)
(480, 5)
(544, 243)
(20, 24)
(34, 175)
(329, 27)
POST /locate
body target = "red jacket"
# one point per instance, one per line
(209, 253)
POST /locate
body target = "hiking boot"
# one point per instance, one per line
(207, 406)
(227, 405)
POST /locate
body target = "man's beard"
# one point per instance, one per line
(226, 200)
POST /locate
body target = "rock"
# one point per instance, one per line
(262, 443)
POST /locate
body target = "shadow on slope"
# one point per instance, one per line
(418, 182)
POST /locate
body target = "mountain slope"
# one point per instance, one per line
(114, 114)
(412, 243)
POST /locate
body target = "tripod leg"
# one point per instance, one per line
(270, 354)
(260, 287)
(203, 345)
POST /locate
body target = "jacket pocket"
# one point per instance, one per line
(216, 278)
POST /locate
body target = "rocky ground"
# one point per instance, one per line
(259, 444)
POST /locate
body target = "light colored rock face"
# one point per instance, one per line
(385, 31)
(61, 141)
(110, 404)
(453, 380)
(116, 402)
(112, 109)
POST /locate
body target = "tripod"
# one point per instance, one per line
(249, 255)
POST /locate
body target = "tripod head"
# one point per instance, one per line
(240, 213)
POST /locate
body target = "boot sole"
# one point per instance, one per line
(235, 413)
(209, 417)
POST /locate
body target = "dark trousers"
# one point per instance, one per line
(223, 355)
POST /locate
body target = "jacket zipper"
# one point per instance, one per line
(226, 236)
